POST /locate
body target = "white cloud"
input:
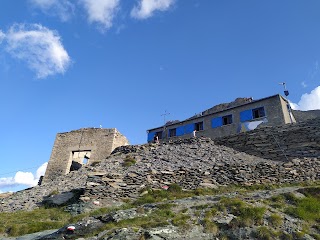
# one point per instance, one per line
(304, 84)
(40, 47)
(2, 36)
(101, 12)
(7, 182)
(64, 9)
(146, 8)
(23, 178)
(308, 101)
(41, 170)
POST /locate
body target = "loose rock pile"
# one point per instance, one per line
(191, 163)
(280, 143)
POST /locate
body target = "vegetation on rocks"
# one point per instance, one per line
(23, 222)
(129, 161)
(186, 209)
(185, 190)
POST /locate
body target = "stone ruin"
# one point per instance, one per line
(74, 149)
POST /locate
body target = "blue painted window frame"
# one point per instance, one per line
(216, 122)
(246, 115)
(151, 136)
(180, 131)
(189, 128)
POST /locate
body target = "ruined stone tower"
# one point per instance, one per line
(73, 149)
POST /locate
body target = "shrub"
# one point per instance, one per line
(129, 161)
(210, 227)
(285, 236)
(251, 215)
(181, 220)
(53, 192)
(211, 212)
(275, 220)
(264, 233)
(316, 236)
(307, 209)
(311, 192)
(175, 188)
(247, 215)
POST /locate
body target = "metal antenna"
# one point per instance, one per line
(164, 117)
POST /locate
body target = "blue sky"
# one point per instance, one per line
(69, 64)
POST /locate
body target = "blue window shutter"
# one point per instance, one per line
(189, 128)
(246, 115)
(180, 131)
(151, 136)
(216, 122)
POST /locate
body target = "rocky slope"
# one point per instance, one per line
(191, 163)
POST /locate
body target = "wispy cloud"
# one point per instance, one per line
(2, 36)
(314, 71)
(23, 178)
(63, 9)
(308, 101)
(101, 12)
(39, 47)
(146, 8)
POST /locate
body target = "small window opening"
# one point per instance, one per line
(79, 158)
(258, 112)
(85, 161)
(159, 134)
(198, 126)
(172, 132)
(227, 120)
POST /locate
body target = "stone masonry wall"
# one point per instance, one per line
(282, 143)
(191, 163)
(99, 142)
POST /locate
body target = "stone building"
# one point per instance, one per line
(226, 119)
(73, 149)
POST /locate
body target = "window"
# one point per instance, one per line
(159, 134)
(198, 126)
(172, 132)
(78, 159)
(258, 112)
(227, 120)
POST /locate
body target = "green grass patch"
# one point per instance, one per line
(158, 218)
(129, 161)
(307, 209)
(23, 222)
(181, 221)
(158, 195)
(210, 227)
(247, 215)
(264, 233)
(104, 210)
(275, 220)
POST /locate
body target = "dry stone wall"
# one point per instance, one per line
(282, 143)
(191, 163)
